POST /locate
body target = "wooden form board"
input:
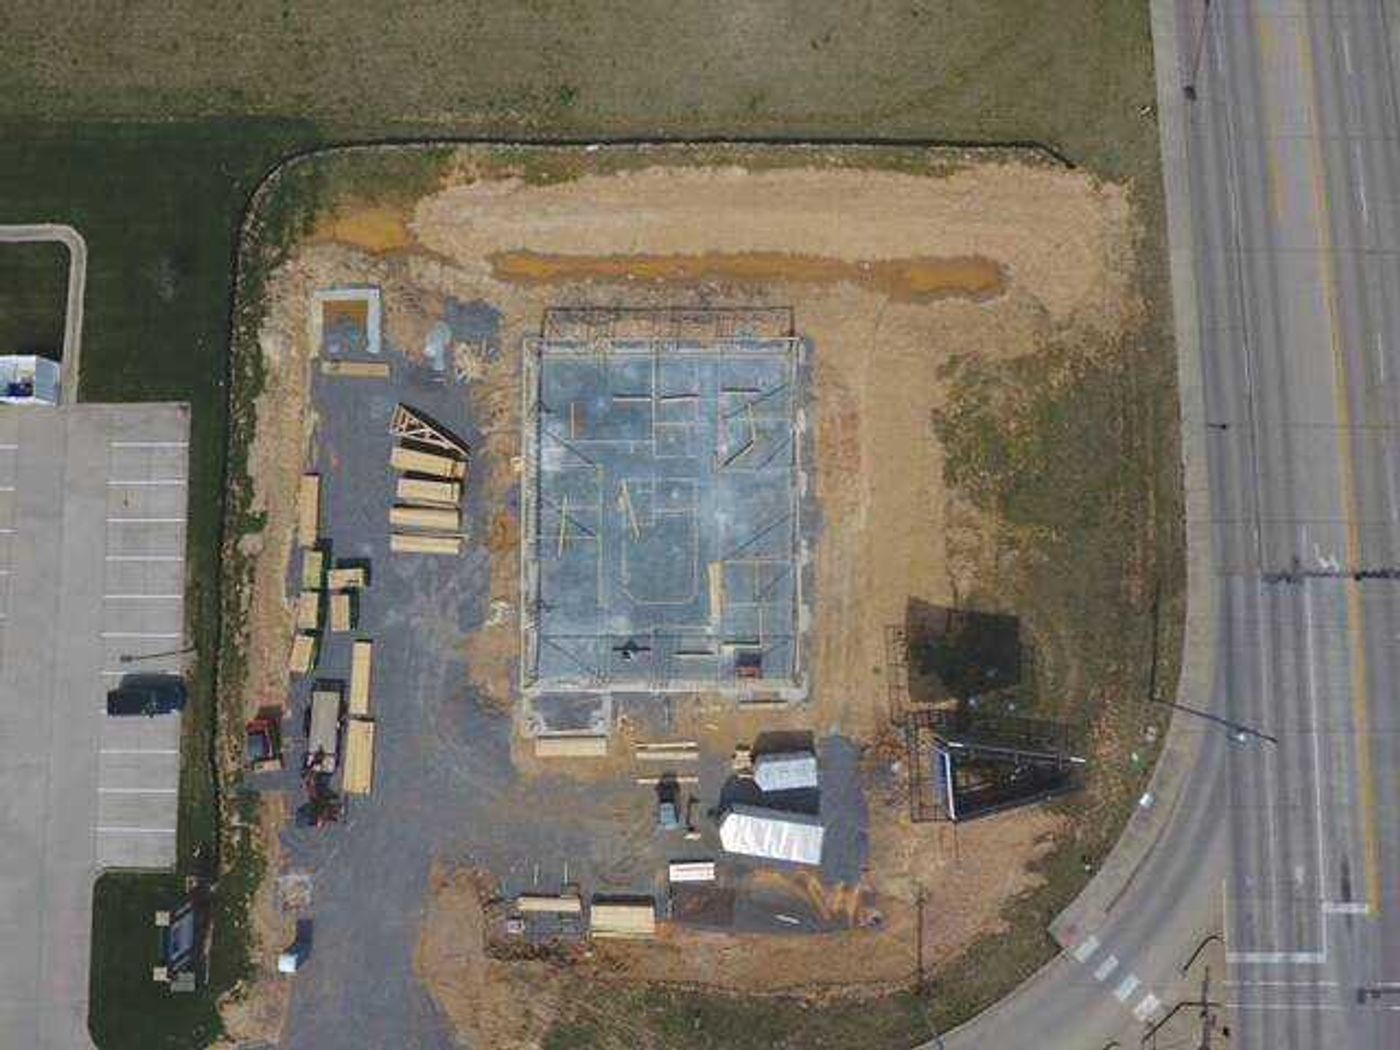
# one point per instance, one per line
(410, 460)
(361, 668)
(347, 579)
(341, 611)
(359, 757)
(303, 653)
(308, 610)
(628, 919)
(313, 570)
(442, 519)
(410, 543)
(309, 510)
(537, 903)
(571, 746)
(356, 369)
(420, 490)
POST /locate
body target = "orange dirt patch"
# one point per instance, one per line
(903, 280)
(375, 229)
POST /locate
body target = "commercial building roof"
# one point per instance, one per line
(785, 771)
(771, 833)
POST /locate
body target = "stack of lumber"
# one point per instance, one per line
(344, 582)
(359, 733)
(431, 463)
(305, 643)
(626, 919)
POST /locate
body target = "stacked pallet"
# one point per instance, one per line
(306, 641)
(431, 464)
(359, 733)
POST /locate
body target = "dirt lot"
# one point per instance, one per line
(893, 277)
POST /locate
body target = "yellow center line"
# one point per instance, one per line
(1342, 395)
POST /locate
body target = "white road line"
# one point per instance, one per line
(156, 635)
(1346, 52)
(135, 791)
(1147, 1007)
(1126, 987)
(1285, 984)
(1346, 908)
(1086, 948)
(146, 521)
(1380, 355)
(139, 751)
(1360, 181)
(125, 830)
(138, 482)
(145, 557)
(1276, 958)
(142, 597)
(148, 444)
(8, 447)
(1105, 968)
(7, 488)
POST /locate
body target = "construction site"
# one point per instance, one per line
(569, 628)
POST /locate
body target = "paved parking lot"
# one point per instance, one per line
(92, 510)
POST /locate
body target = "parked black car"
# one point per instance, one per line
(150, 695)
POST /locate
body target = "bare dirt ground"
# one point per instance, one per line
(890, 276)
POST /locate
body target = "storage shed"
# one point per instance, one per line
(759, 832)
(785, 771)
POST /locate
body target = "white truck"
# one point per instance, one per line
(323, 730)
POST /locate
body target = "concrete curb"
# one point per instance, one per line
(59, 233)
(1179, 748)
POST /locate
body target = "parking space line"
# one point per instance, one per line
(139, 751)
(143, 597)
(7, 488)
(125, 830)
(157, 635)
(145, 557)
(8, 447)
(1126, 987)
(146, 521)
(137, 482)
(135, 791)
(147, 444)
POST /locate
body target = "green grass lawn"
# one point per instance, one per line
(130, 1011)
(148, 127)
(33, 291)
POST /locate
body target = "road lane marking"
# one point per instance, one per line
(142, 597)
(1346, 908)
(163, 636)
(145, 557)
(145, 521)
(1105, 968)
(1126, 987)
(1342, 395)
(1148, 1006)
(1086, 948)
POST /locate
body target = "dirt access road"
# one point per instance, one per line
(892, 275)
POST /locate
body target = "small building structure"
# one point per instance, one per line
(26, 379)
(756, 831)
(785, 771)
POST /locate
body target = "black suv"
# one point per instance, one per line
(147, 695)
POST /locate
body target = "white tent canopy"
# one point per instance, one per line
(771, 833)
(785, 771)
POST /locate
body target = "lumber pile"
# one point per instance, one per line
(359, 733)
(431, 463)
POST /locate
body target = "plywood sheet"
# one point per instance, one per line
(408, 543)
(359, 757)
(303, 653)
(421, 490)
(309, 510)
(443, 519)
(409, 460)
(361, 669)
(341, 611)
